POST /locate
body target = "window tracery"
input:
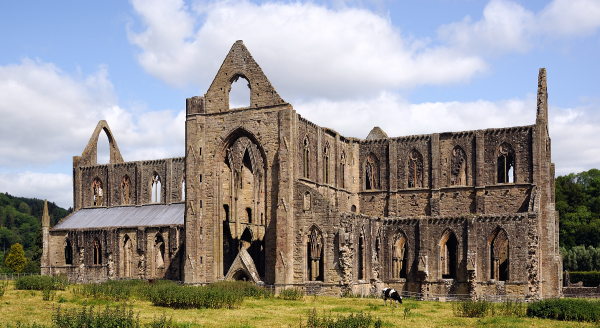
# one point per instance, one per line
(415, 169)
(458, 176)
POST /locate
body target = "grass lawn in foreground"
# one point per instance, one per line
(28, 307)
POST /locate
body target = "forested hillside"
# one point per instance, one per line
(20, 222)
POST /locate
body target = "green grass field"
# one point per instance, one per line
(28, 307)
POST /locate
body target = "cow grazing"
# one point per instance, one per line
(393, 295)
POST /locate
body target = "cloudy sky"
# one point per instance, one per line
(410, 67)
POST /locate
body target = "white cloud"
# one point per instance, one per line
(56, 188)
(49, 116)
(307, 50)
(508, 27)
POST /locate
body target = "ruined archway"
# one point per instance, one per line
(448, 255)
(499, 255)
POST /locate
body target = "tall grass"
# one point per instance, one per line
(292, 294)
(354, 320)
(565, 309)
(35, 282)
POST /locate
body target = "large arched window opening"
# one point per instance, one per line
(97, 252)
(239, 92)
(506, 164)
(458, 169)
(399, 255)
(372, 172)
(68, 252)
(448, 255)
(315, 255)
(415, 169)
(127, 257)
(156, 188)
(499, 255)
(126, 190)
(159, 251)
(98, 192)
(306, 159)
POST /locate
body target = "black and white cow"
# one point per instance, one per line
(392, 295)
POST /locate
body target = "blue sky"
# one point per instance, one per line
(410, 67)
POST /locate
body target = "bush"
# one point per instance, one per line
(184, 297)
(15, 260)
(118, 317)
(248, 289)
(565, 309)
(471, 309)
(121, 290)
(42, 283)
(358, 320)
(291, 294)
(589, 278)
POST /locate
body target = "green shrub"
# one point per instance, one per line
(118, 317)
(589, 278)
(48, 294)
(184, 297)
(565, 309)
(471, 309)
(510, 308)
(291, 294)
(354, 320)
(248, 289)
(121, 290)
(42, 282)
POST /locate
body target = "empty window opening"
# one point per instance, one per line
(156, 189)
(126, 190)
(68, 253)
(399, 257)
(415, 169)
(127, 257)
(499, 256)
(458, 176)
(98, 193)
(448, 255)
(262, 219)
(315, 255)
(326, 164)
(97, 252)
(506, 164)
(353, 208)
(306, 158)
(372, 172)
(249, 214)
(342, 161)
(103, 150)
(361, 255)
(226, 212)
(183, 188)
(239, 94)
(159, 249)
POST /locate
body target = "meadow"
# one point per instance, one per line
(28, 307)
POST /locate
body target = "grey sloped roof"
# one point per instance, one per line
(124, 216)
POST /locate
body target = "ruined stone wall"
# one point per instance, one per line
(520, 139)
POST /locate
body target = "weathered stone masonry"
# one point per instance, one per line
(274, 198)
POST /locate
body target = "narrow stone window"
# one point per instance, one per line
(97, 192)
(499, 256)
(159, 251)
(361, 257)
(249, 214)
(415, 169)
(326, 164)
(448, 255)
(226, 212)
(315, 255)
(372, 172)
(506, 164)
(126, 190)
(97, 252)
(156, 189)
(183, 188)
(353, 208)
(458, 176)
(68, 253)
(342, 173)
(399, 256)
(127, 257)
(306, 159)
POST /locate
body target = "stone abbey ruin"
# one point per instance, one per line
(263, 194)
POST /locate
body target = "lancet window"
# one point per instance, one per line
(126, 190)
(97, 192)
(159, 251)
(458, 176)
(372, 172)
(156, 188)
(415, 169)
(315, 255)
(342, 173)
(68, 252)
(448, 255)
(506, 163)
(97, 252)
(399, 255)
(326, 164)
(306, 160)
(499, 255)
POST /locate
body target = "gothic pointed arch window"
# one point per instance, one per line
(342, 173)
(183, 188)
(499, 251)
(156, 188)
(415, 169)
(126, 190)
(448, 255)
(458, 169)
(315, 255)
(506, 164)
(127, 257)
(98, 192)
(399, 255)
(68, 252)
(372, 172)
(361, 256)
(97, 252)
(159, 251)
(306, 159)
(326, 164)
